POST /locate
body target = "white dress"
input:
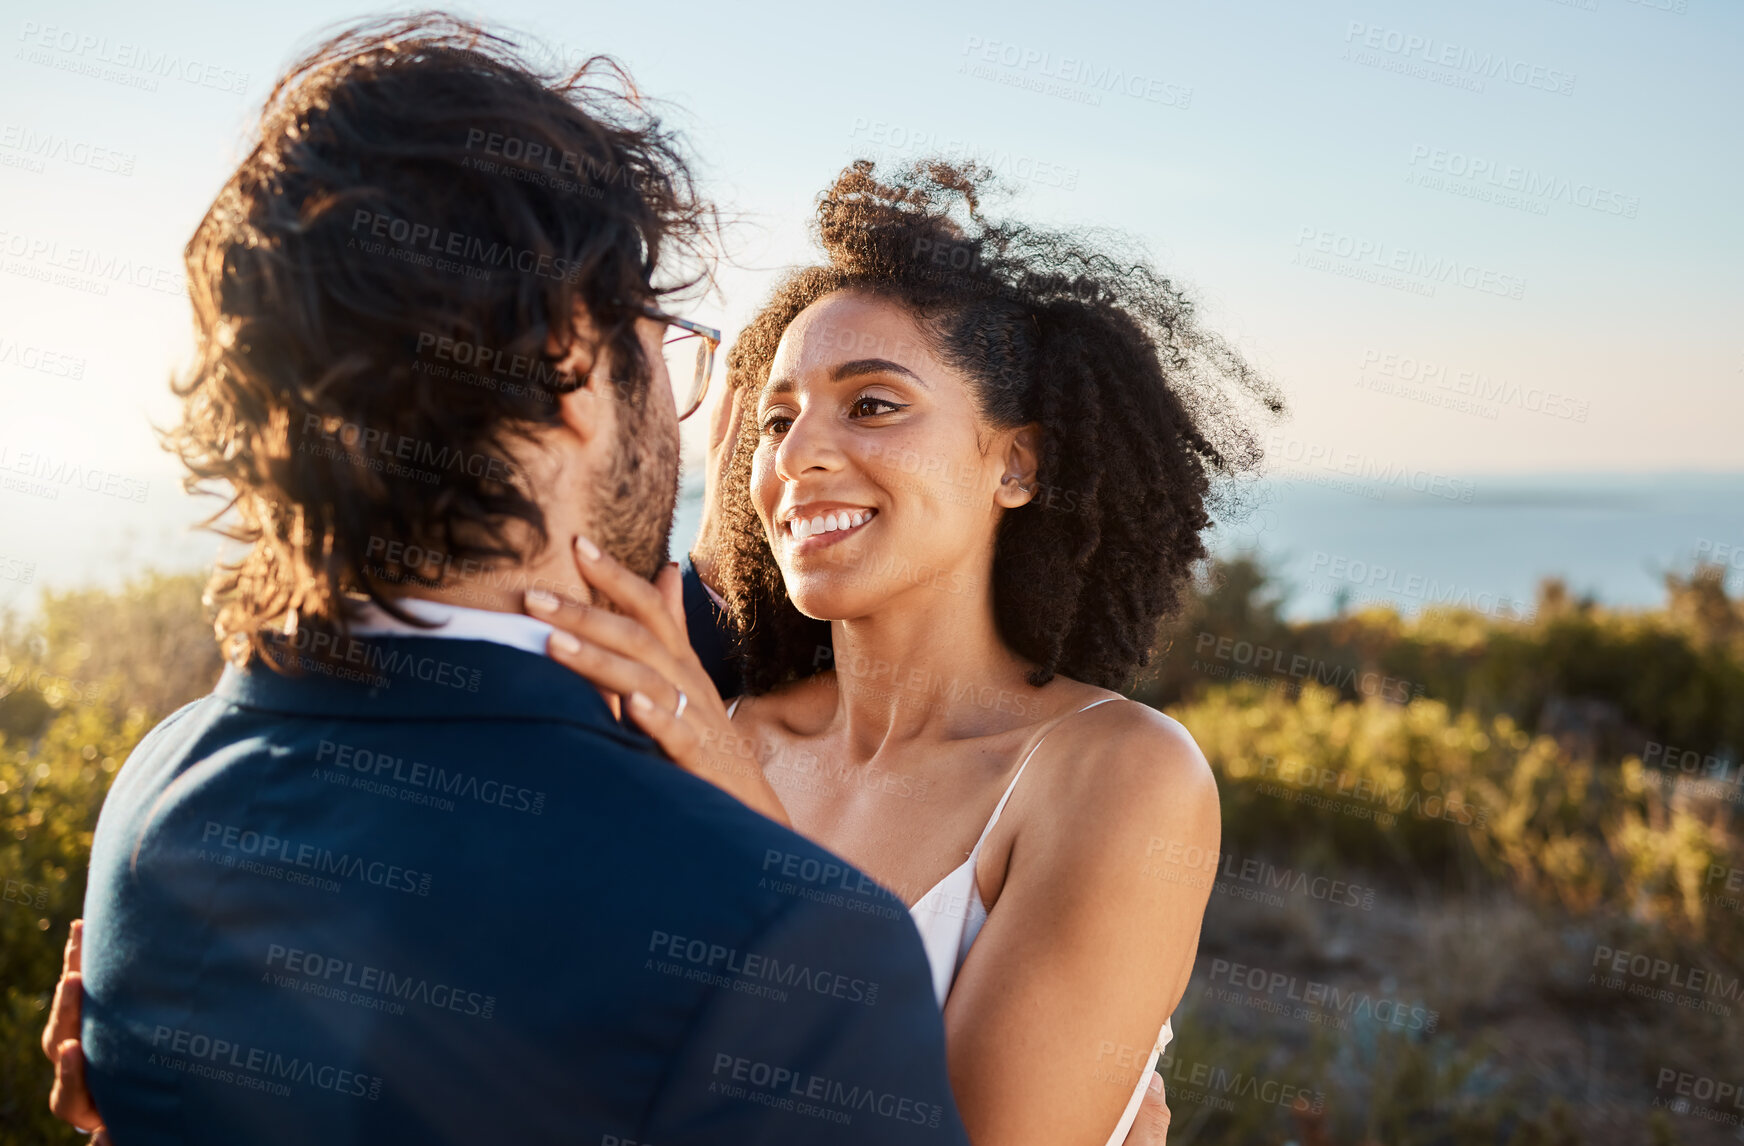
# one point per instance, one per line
(950, 916)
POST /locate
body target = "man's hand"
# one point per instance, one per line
(1151, 1127)
(70, 1100)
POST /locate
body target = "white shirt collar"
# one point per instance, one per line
(458, 622)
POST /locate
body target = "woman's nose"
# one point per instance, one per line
(808, 446)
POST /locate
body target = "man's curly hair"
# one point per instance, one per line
(416, 184)
(1138, 406)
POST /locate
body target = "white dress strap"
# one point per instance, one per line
(733, 707)
(1012, 787)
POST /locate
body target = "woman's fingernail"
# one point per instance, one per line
(1156, 1083)
(564, 643)
(586, 548)
(640, 702)
(540, 601)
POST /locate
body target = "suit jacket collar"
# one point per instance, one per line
(423, 679)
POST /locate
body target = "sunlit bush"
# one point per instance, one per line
(1410, 788)
(1619, 678)
(80, 684)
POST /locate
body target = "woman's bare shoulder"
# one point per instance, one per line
(1115, 787)
(1125, 762)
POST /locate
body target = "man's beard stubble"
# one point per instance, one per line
(638, 494)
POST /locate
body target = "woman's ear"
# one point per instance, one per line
(1022, 457)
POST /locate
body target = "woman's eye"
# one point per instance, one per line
(868, 406)
(865, 406)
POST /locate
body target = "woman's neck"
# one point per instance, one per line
(925, 669)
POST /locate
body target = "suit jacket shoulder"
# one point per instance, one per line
(429, 911)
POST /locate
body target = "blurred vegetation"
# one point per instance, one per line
(1673, 675)
(80, 683)
(1499, 780)
(1506, 783)
(1536, 749)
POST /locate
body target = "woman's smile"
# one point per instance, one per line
(818, 525)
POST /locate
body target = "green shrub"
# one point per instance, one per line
(79, 686)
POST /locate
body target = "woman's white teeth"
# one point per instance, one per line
(829, 522)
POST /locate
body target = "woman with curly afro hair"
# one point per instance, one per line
(964, 470)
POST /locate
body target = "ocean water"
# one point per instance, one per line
(1327, 538)
(1487, 541)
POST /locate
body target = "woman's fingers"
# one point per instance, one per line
(609, 670)
(615, 633)
(709, 749)
(677, 738)
(70, 1100)
(69, 996)
(631, 635)
(634, 596)
(626, 654)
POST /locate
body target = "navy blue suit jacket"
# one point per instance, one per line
(439, 895)
(711, 634)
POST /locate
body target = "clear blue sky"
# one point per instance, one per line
(1424, 219)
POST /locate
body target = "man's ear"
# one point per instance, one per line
(1022, 458)
(585, 411)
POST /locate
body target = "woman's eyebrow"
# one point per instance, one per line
(844, 371)
(861, 366)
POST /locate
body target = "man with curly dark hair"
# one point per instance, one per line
(401, 878)
(968, 467)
